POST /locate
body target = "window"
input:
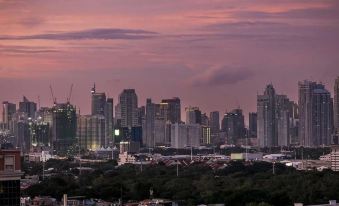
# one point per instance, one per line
(9, 163)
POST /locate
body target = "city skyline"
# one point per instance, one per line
(215, 55)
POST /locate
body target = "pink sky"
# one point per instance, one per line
(212, 54)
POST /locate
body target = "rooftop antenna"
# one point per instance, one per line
(53, 98)
(70, 94)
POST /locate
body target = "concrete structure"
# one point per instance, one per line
(91, 131)
(170, 109)
(8, 111)
(10, 174)
(234, 126)
(335, 157)
(28, 107)
(205, 135)
(64, 126)
(336, 104)
(193, 115)
(267, 133)
(128, 101)
(185, 135)
(273, 118)
(252, 125)
(315, 112)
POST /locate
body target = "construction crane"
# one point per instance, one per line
(70, 94)
(53, 98)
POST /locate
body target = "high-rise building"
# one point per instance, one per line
(8, 111)
(294, 123)
(315, 114)
(10, 175)
(205, 135)
(215, 127)
(283, 120)
(170, 109)
(273, 118)
(234, 126)
(128, 101)
(336, 104)
(215, 122)
(148, 124)
(28, 107)
(266, 111)
(91, 131)
(104, 107)
(252, 125)
(98, 102)
(64, 126)
(109, 120)
(193, 115)
(185, 135)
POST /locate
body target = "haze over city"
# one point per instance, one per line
(213, 54)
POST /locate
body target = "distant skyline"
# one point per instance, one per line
(215, 54)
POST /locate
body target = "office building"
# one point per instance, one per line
(315, 114)
(185, 135)
(215, 127)
(205, 135)
(283, 120)
(193, 115)
(252, 125)
(170, 109)
(8, 111)
(234, 126)
(64, 126)
(215, 122)
(128, 101)
(28, 107)
(266, 114)
(91, 131)
(336, 104)
(149, 124)
(10, 175)
(102, 106)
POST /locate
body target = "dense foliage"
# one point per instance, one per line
(237, 184)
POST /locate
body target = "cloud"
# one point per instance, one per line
(221, 76)
(16, 49)
(99, 33)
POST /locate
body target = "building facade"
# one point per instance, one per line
(315, 114)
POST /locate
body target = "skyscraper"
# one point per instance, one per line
(28, 107)
(215, 127)
(171, 110)
(234, 126)
(8, 111)
(104, 107)
(91, 131)
(336, 104)
(215, 122)
(283, 120)
(193, 115)
(64, 126)
(266, 111)
(148, 124)
(252, 124)
(98, 102)
(315, 113)
(109, 120)
(128, 101)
